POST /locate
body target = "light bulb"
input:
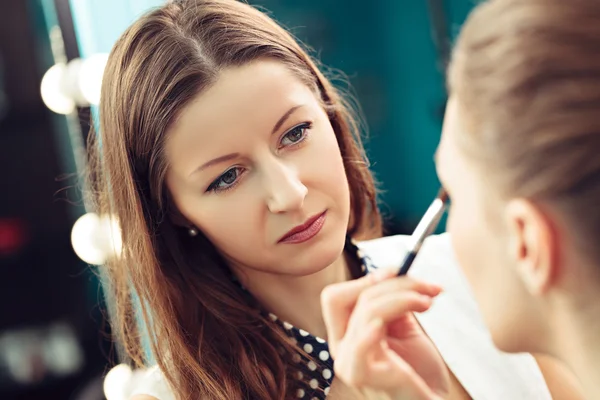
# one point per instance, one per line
(95, 239)
(110, 235)
(90, 77)
(116, 382)
(83, 239)
(52, 90)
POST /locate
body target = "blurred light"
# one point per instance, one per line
(77, 83)
(95, 239)
(62, 352)
(53, 93)
(21, 356)
(111, 236)
(13, 236)
(116, 382)
(90, 77)
(30, 355)
(83, 239)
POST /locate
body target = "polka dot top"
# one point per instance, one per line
(316, 374)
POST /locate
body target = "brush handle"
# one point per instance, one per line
(408, 260)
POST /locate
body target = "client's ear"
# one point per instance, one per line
(532, 245)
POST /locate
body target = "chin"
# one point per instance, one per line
(507, 337)
(502, 344)
(507, 344)
(324, 252)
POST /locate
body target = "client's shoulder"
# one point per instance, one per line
(390, 250)
(403, 241)
(435, 262)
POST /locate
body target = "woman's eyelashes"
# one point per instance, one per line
(226, 181)
(295, 135)
(230, 178)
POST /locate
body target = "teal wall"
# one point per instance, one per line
(99, 23)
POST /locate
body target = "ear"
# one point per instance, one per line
(532, 245)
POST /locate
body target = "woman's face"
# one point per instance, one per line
(480, 240)
(253, 157)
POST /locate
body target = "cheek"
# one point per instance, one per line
(465, 241)
(324, 167)
(479, 250)
(473, 245)
(228, 222)
(232, 225)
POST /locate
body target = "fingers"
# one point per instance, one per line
(358, 315)
(385, 307)
(374, 296)
(353, 354)
(398, 285)
(390, 374)
(338, 300)
(388, 307)
(406, 383)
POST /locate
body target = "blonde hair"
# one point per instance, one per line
(526, 74)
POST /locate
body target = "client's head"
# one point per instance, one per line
(520, 158)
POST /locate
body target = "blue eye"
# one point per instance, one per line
(225, 181)
(295, 135)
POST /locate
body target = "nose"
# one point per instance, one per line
(285, 190)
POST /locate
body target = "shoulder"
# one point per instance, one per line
(392, 248)
(434, 263)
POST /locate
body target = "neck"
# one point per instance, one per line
(297, 299)
(576, 333)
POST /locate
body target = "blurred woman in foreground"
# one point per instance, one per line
(519, 159)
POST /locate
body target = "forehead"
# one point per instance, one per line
(243, 102)
(451, 125)
(246, 94)
(451, 164)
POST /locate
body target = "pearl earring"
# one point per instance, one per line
(193, 232)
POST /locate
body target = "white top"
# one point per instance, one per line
(453, 323)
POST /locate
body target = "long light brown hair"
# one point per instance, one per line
(210, 339)
(526, 74)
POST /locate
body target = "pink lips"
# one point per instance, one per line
(306, 231)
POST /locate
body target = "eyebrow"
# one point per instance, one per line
(284, 118)
(215, 161)
(232, 156)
